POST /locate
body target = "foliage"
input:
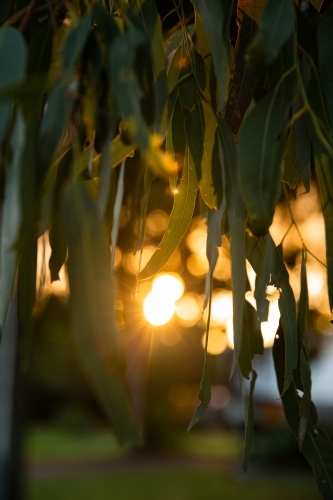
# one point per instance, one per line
(84, 84)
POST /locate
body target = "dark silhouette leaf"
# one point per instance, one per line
(249, 429)
(75, 41)
(325, 48)
(204, 396)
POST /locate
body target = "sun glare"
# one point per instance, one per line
(160, 304)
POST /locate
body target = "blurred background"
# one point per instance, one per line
(69, 449)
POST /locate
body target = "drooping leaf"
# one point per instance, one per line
(325, 48)
(125, 86)
(252, 341)
(302, 141)
(255, 251)
(105, 22)
(243, 80)
(261, 144)
(204, 396)
(200, 130)
(13, 57)
(317, 447)
(53, 123)
(180, 218)
(96, 339)
(249, 429)
(40, 51)
(75, 41)
(275, 27)
(236, 220)
(148, 179)
(290, 171)
(11, 218)
(212, 17)
(117, 211)
(151, 24)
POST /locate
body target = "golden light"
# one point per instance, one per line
(44, 286)
(170, 337)
(197, 264)
(316, 285)
(117, 258)
(169, 286)
(222, 270)
(197, 237)
(217, 341)
(131, 262)
(157, 309)
(188, 310)
(156, 222)
(174, 261)
(221, 307)
(269, 327)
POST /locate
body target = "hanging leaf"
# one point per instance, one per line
(302, 141)
(236, 219)
(200, 129)
(11, 219)
(95, 335)
(317, 447)
(151, 24)
(180, 218)
(252, 341)
(249, 429)
(13, 57)
(325, 48)
(204, 396)
(261, 144)
(275, 27)
(75, 41)
(212, 17)
(106, 22)
(124, 84)
(243, 80)
(290, 171)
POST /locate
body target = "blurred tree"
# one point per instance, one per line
(231, 103)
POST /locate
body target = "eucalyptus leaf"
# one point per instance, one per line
(325, 48)
(249, 429)
(180, 218)
(204, 396)
(75, 41)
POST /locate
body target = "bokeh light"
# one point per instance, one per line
(217, 341)
(220, 396)
(156, 222)
(158, 309)
(188, 310)
(131, 262)
(168, 285)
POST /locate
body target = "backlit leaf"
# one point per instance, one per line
(180, 218)
(259, 162)
(302, 146)
(212, 17)
(290, 171)
(275, 27)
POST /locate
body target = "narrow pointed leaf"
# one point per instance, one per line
(204, 396)
(275, 27)
(75, 41)
(249, 429)
(290, 171)
(236, 219)
(302, 145)
(11, 219)
(325, 48)
(212, 17)
(180, 218)
(259, 162)
(252, 341)
(91, 300)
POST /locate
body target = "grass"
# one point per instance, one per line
(155, 480)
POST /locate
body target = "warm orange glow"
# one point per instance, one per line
(156, 222)
(180, 395)
(188, 310)
(197, 264)
(131, 262)
(158, 311)
(170, 286)
(43, 276)
(170, 337)
(217, 341)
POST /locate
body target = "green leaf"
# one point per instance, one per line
(243, 81)
(11, 218)
(236, 219)
(40, 51)
(260, 156)
(13, 57)
(148, 179)
(151, 25)
(303, 307)
(75, 41)
(204, 396)
(255, 251)
(290, 171)
(105, 22)
(317, 447)
(54, 121)
(275, 27)
(180, 218)
(252, 341)
(200, 129)
(302, 145)
(212, 17)
(96, 339)
(249, 429)
(124, 84)
(325, 48)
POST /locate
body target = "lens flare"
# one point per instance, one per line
(158, 311)
(170, 286)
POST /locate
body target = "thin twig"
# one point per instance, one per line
(28, 14)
